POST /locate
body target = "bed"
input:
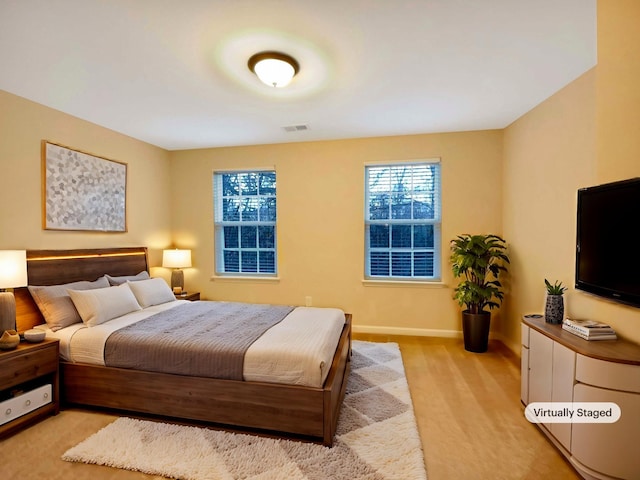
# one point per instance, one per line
(296, 411)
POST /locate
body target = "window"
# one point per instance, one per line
(245, 222)
(402, 221)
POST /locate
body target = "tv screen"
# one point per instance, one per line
(608, 244)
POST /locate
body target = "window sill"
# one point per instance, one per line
(403, 283)
(237, 279)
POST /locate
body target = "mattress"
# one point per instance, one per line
(296, 351)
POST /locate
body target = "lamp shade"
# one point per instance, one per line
(13, 268)
(176, 258)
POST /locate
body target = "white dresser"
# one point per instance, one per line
(558, 366)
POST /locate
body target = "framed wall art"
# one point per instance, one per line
(81, 191)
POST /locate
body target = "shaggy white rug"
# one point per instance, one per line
(377, 438)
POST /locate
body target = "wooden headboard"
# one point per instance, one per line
(54, 267)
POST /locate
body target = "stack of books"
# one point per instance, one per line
(589, 329)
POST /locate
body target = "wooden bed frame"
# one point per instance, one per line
(287, 410)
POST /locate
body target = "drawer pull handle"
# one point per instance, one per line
(46, 396)
(27, 403)
(8, 412)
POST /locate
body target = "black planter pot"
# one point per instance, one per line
(475, 330)
(554, 309)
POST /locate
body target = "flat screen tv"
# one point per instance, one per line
(608, 241)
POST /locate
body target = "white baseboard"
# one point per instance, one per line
(412, 332)
(416, 332)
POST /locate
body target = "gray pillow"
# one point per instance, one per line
(55, 303)
(144, 275)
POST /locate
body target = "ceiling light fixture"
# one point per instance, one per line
(274, 68)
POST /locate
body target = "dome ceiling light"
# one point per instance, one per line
(274, 68)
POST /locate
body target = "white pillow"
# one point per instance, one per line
(152, 292)
(144, 275)
(101, 305)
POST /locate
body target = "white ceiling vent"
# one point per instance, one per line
(296, 128)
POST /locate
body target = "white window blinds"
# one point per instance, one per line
(402, 221)
(245, 222)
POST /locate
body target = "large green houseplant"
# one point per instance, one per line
(478, 260)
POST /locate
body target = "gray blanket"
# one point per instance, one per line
(205, 339)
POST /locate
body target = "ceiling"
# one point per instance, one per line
(174, 73)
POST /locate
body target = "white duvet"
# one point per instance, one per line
(296, 351)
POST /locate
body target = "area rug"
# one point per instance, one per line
(377, 438)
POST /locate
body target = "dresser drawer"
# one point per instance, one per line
(614, 376)
(27, 365)
(525, 335)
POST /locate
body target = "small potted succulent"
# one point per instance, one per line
(554, 306)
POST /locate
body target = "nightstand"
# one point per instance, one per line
(29, 384)
(191, 296)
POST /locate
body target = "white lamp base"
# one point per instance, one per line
(7, 311)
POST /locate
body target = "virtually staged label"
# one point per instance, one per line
(572, 412)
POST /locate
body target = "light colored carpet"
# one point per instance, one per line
(377, 438)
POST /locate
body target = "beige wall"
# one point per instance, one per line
(586, 134)
(618, 90)
(23, 125)
(320, 222)
(548, 154)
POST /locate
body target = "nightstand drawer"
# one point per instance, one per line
(29, 384)
(27, 402)
(28, 365)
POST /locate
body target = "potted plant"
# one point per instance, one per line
(554, 306)
(479, 260)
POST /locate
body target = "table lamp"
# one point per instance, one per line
(176, 259)
(13, 274)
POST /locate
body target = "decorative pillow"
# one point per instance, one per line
(56, 305)
(152, 292)
(144, 275)
(104, 304)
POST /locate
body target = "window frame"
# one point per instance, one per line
(219, 227)
(436, 222)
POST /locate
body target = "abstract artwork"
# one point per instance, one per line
(82, 191)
